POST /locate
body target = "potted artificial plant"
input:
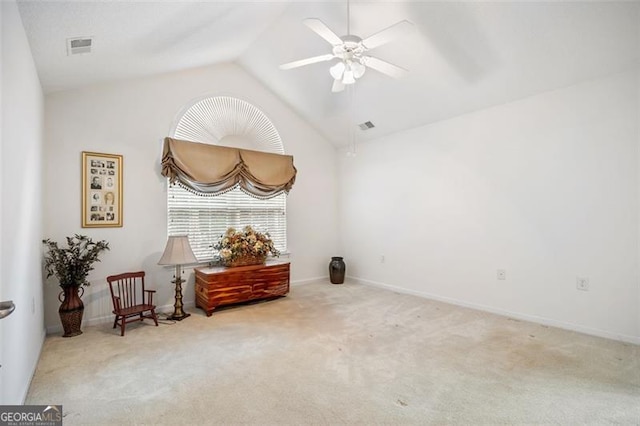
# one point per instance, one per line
(71, 265)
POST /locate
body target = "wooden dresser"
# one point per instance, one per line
(217, 286)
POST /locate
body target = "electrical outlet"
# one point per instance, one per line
(582, 283)
(382, 258)
(502, 274)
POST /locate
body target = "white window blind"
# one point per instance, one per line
(205, 218)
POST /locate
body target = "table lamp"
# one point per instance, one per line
(178, 252)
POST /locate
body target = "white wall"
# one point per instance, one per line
(638, 177)
(132, 118)
(545, 188)
(22, 333)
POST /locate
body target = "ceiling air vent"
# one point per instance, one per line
(79, 45)
(366, 125)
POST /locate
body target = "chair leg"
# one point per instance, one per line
(115, 322)
(122, 324)
(155, 317)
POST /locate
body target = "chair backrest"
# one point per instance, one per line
(129, 287)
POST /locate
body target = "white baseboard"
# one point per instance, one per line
(525, 317)
(308, 281)
(53, 329)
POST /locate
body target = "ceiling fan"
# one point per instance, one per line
(351, 51)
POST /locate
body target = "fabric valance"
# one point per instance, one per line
(212, 170)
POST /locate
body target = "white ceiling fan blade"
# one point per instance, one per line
(396, 30)
(323, 31)
(384, 67)
(308, 61)
(338, 86)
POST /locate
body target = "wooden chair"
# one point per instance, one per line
(130, 299)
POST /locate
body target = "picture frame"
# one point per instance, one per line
(101, 190)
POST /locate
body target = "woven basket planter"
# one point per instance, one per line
(71, 310)
(71, 322)
(246, 261)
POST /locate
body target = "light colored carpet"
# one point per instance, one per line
(339, 354)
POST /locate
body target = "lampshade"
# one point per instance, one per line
(348, 77)
(337, 70)
(358, 69)
(177, 252)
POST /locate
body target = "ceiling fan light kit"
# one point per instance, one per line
(351, 51)
(347, 71)
(337, 70)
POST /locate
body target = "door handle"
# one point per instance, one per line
(6, 308)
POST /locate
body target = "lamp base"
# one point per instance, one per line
(175, 317)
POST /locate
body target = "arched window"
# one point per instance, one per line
(225, 121)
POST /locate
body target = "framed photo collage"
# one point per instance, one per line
(101, 190)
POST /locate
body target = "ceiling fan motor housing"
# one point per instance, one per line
(351, 47)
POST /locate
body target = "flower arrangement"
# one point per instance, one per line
(71, 265)
(246, 247)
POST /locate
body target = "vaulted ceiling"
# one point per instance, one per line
(461, 57)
